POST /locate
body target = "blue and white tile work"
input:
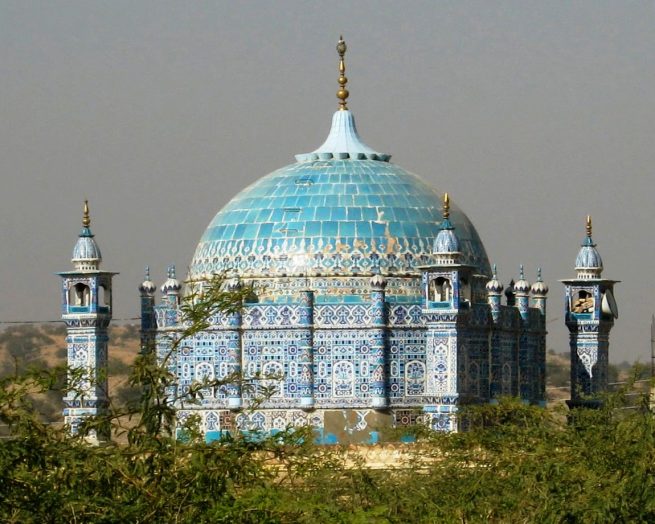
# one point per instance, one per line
(370, 305)
(590, 311)
(86, 308)
(373, 304)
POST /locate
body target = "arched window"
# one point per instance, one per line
(79, 295)
(205, 372)
(583, 302)
(273, 375)
(415, 378)
(104, 296)
(343, 379)
(440, 290)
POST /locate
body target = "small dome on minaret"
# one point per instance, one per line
(172, 285)
(446, 244)
(86, 253)
(539, 288)
(494, 285)
(588, 263)
(147, 287)
(522, 286)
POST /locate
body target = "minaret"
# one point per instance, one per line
(170, 290)
(522, 292)
(590, 312)
(447, 303)
(147, 290)
(494, 292)
(539, 293)
(86, 309)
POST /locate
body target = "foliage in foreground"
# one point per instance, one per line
(516, 464)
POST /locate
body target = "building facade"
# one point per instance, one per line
(373, 304)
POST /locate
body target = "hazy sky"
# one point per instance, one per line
(530, 114)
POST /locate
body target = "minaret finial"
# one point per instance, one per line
(539, 275)
(494, 271)
(446, 206)
(521, 274)
(342, 94)
(147, 273)
(86, 219)
(589, 226)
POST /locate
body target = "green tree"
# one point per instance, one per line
(515, 463)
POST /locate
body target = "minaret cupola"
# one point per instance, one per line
(522, 286)
(539, 288)
(172, 285)
(147, 287)
(446, 244)
(588, 263)
(494, 286)
(86, 253)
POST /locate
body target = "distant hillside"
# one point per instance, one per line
(44, 346)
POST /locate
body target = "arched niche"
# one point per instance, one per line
(440, 290)
(79, 295)
(104, 296)
(582, 302)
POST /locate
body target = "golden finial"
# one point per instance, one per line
(86, 219)
(589, 226)
(342, 94)
(446, 206)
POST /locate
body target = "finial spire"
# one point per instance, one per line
(86, 218)
(521, 274)
(147, 273)
(589, 226)
(494, 272)
(342, 94)
(539, 275)
(446, 206)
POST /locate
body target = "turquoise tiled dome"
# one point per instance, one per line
(339, 217)
(342, 210)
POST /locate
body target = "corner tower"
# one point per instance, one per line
(590, 310)
(86, 308)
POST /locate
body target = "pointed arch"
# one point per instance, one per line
(415, 378)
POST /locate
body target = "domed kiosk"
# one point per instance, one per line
(370, 303)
